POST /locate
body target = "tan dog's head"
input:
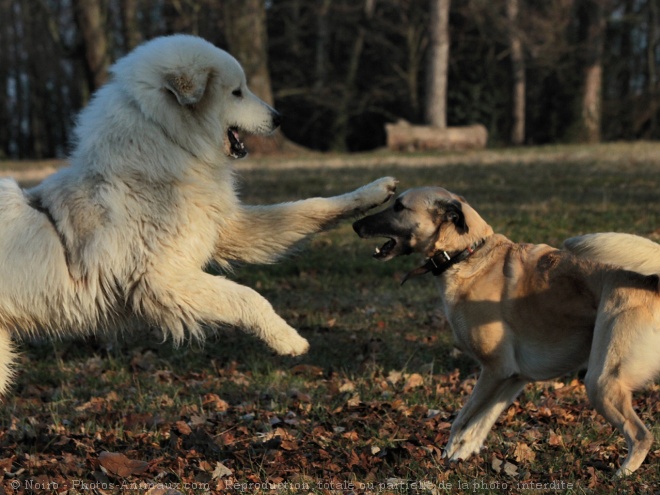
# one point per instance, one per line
(426, 221)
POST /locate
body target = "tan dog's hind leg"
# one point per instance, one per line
(614, 402)
(623, 359)
(491, 395)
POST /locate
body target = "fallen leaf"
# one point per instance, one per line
(215, 402)
(415, 380)
(351, 435)
(221, 471)
(6, 464)
(289, 445)
(95, 404)
(354, 401)
(523, 453)
(347, 386)
(555, 440)
(510, 469)
(307, 369)
(394, 376)
(120, 465)
(500, 466)
(183, 428)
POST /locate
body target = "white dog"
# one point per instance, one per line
(147, 203)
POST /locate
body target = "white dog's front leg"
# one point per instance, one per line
(190, 303)
(262, 234)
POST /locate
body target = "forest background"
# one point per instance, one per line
(532, 72)
(373, 401)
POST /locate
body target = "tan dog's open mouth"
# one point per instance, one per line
(387, 251)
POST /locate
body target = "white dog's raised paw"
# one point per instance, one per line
(376, 193)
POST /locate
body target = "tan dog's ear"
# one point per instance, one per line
(189, 88)
(454, 213)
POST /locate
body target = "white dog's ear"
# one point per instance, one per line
(188, 88)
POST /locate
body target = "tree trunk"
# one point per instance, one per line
(129, 25)
(438, 63)
(518, 67)
(321, 48)
(593, 72)
(90, 20)
(247, 37)
(651, 63)
(402, 136)
(5, 71)
(340, 125)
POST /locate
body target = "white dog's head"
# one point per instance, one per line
(194, 90)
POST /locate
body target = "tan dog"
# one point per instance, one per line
(528, 312)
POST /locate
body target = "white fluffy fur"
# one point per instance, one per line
(628, 251)
(147, 202)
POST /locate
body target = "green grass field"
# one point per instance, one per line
(369, 408)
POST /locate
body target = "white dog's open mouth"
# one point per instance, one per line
(237, 148)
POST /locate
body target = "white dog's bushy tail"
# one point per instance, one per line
(624, 250)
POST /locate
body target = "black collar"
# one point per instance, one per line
(440, 262)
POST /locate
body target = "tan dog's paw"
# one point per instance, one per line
(376, 193)
(461, 450)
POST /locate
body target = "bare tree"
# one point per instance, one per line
(90, 19)
(340, 126)
(129, 25)
(594, 16)
(438, 63)
(5, 74)
(322, 42)
(247, 37)
(518, 68)
(652, 42)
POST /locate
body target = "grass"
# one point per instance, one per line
(370, 406)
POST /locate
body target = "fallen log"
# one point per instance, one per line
(403, 136)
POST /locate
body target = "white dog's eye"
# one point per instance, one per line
(237, 92)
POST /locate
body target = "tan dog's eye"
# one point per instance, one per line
(398, 206)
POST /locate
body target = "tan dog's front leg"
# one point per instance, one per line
(491, 395)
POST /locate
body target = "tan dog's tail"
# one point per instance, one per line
(627, 251)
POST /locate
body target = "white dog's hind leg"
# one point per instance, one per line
(491, 395)
(7, 359)
(262, 234)
(206, 299)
